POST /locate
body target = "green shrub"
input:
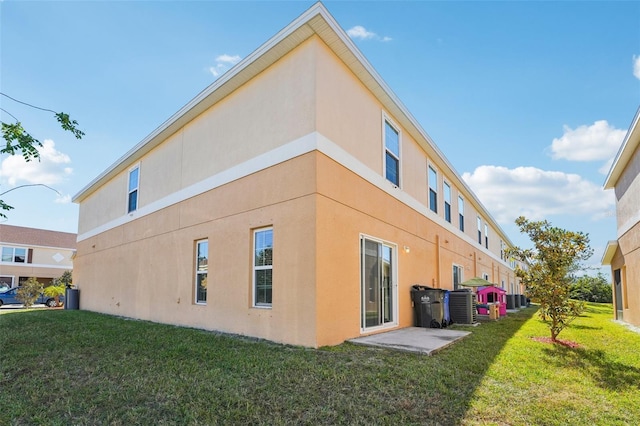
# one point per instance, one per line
(29, 292)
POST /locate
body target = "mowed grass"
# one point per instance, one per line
(77, 367)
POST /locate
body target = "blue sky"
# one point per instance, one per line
(528, 100)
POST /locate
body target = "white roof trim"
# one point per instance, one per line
(628, 147)
(609, 252)
(316, 20)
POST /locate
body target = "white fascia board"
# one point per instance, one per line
(628, 147)
(609, 252)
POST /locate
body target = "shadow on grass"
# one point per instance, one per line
(136, 372)
(583, 327)
(607, 373)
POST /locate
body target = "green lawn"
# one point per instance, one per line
(76, 367)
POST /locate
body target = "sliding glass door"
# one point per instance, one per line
(377, 283)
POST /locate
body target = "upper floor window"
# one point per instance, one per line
(486, 235)
(461, 213)
(263, 267)
(202, 269)
(391, 153)
(502, 247)
(14, 254)
(433, 190)
(134, 178)
(479, 230)
(447, 202)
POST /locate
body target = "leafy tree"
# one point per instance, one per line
(592, 289)
(548, 268)
(29, 292)
(18, 141)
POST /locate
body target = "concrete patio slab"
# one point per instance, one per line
(413, 339)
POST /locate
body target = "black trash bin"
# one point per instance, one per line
(72, 298)
(428, 304)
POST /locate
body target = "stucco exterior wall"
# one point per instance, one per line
(349, 207)
(281, 99)
(627, 192)
(319, 208)
(627, 259)
(154, 259)
(352, 117)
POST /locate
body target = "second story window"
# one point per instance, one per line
(461, 213)
(486, 235)
(447, 202)
(433, 190)
(391, 153)
(479, 230)
(134, 177)
(14, 254)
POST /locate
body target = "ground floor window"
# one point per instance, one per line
(202, 267)
(457, 276)
(263, 267)
(6, 282)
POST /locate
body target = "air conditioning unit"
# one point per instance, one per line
(462, 307)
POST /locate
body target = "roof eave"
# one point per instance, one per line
(628, 147)
(609, 252)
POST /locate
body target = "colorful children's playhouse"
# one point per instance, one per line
(492, 294)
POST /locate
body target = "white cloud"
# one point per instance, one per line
(636, 66)
(597, 142)
(223, 62)
(537, 194)
(63, 199)
(361, 33)
(52, 167)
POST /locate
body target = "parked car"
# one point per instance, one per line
(8, 297)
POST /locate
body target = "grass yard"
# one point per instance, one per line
(77, 367)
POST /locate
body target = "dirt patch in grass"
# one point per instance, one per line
(567, 343)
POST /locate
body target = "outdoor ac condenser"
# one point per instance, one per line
(462, 307)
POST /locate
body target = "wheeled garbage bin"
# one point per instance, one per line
(428, 304)
(72, 298)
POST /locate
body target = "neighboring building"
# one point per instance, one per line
(310, 191)
(30, 252)
(623, 254)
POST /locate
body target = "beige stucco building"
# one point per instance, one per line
(623, 254)
(31, 252)
(295, 199)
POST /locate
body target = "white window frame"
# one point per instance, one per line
(433, 186)
(12, 278)
(387, 120)
(460, 275)
(486, 235)
(256, 268)
(136, 189)
(461, 213)
(13, 255)
(394, 276)
(200, 272)
(447, 201)
(479, 230)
